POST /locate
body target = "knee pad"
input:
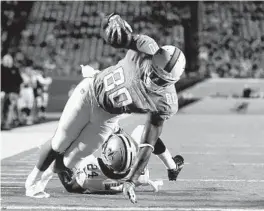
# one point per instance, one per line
(159, 147)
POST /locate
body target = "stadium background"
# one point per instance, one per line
(220, 39)
(223, 43)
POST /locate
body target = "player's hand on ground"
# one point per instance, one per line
(145, 180)
(129, 191)
(117, 32)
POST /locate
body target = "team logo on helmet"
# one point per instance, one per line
(119, 152)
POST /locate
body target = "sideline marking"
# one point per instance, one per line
(123, 208)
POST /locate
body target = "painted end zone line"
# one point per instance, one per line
(122, 208)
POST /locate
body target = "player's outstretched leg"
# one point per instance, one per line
(76, 115)
(173, 164)
(34, 185)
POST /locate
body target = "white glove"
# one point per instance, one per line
(144, 180)
(88, 71)
(129, 191)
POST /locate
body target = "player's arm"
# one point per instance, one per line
(144, 44)
(118, 33)
(152, 132)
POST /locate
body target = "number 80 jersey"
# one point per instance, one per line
(119, 89)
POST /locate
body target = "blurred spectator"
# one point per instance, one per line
(10, 86)
(26, 100)
(232, 38)
(247, 91)
(42, 83)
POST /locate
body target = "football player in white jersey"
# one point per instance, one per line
(107, 173)
(104, 174)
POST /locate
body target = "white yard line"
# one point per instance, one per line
(223, 146)
(222, 153)
(8, 181)
(123, 208)
(27, 170)
(14, 187)
(151, 163)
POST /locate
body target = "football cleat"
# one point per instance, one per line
(173, 173)
(37, 190)
(35, 186)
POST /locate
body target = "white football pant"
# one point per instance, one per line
(80, 125)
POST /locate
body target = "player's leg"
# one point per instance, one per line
(8, 112)
(30, 98)
(38, 106)
(75, 116)
(173, 164)
(66, 176)
(91, 137)
(45, 100)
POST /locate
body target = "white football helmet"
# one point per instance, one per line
(7, 61)
(168, 65)
(119, 152)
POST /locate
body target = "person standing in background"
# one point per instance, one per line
(10, 87)
(42, 83)
(26, 100)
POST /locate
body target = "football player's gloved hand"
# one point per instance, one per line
(116, 31)
(129, 191)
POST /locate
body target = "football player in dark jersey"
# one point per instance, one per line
(142, 82)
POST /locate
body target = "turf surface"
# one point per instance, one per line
(224, 156)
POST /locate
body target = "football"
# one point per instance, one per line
(118, 33)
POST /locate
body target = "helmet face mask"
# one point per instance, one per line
(153, 82)
(167, 66)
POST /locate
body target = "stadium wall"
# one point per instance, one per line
(210, 87)
(223, 87)
(222, 106)
(59, 92)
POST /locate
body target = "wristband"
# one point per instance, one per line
(146, 145)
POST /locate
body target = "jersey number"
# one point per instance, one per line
(171, 98)
(90, 167)
(120, 97)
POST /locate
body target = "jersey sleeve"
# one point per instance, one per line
(144, 44)
(168, 105)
